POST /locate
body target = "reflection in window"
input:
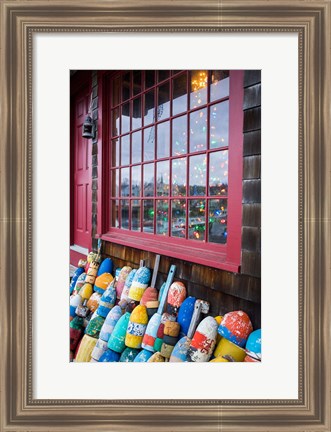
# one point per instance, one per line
(114, 213)
(178, 218)
(149, 180)
(115, 122)
(198, 130)
(219, 87)
(163, 140)
(179, 177)
(179, 135)
(115, 147)
(125, 150)
(135, 215)
(125, 118)
(148, 219)
(162, 178)
(149, 147)
(179, 92)
(217, 221)
(136, 113)
(162, 219)
(197, 173)
(199, 86)
(136, 180)
(197, 225)
(149, 114)
(136, 147)
(125, 205)
(115, 183)
(125, 182)
(163, 105)
(218, 173)
(219, 125)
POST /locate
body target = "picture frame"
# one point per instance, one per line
(311, 21)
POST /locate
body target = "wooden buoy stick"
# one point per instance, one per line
(155, 270)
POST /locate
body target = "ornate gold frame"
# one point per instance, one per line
(311, 21)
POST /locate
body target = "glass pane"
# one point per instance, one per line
(136, 180)
(162, 75)
(126, 85)
(149, 143)
(148, 220)
(136, 82)
(178, 218)
(198, 165)
(115, 182)
(198, 130)
(179, 135)
(163, 140)
(125, 118)
(115, 122)
(135, 215)
(199, 86)
(125, 182)
(149, 113)
(217, 221)
(115, 152)
(162, 218)
(179, 93)
(136, 147)
(114, 213)
(179, 171)
(149, 78)
(218, 173)
(163, 104)
(162, 178)
(197, 226)
(136, 113)
(219, 86)
(125, 205)
(115, 91)
(219, 125)
(125, 150)
(149, 180)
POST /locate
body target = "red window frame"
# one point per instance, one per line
(224, 256)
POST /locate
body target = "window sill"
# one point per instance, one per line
(198, 256)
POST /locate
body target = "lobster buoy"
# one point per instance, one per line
(150, 294)
(170, 338)
(86, 291)
(109, 356)
(176, 296)
(124, 273)
(94, 326)
(116, 341)
(105, 267)
(107, 301)
(102, 282)
(152, 307)
(139, 283)
(227, 348)
(76, 332)
(110, 322)
(143, 356)
(156, 357)
(84, 353)
(93, 302)
(74, 302)
(137, 327)
(253, 345)
(74, 279)
(160, 331)
(80, 282)
(128, 355)
(127, 285)
(92, 272)
(185, 315)
(203, 342)
(236, 327)
(99, 349)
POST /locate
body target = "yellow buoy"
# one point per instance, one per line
(86, 347)
(227, 348)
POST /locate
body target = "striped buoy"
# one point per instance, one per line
(92, 272)
(84, 353)
(128, 355)
(100, 348)
(124, 273)
(76, 332)
(152, 307)
(203, 342)
(253, 345)
(116, 341)
(107, 301)
(109, 356)
(127, 285)
(137, 327)
(74, 279)
(110, 322)
(139, 283)
(160, 331)
(80, 282)
(93, 302)
(86, 291)
(156, 357)
(170, 338)
(150, 294)
(176, 296)
(94, 326)
(236, 327)
(102, 282)
(227, 348)
(143, 356)
(185, 315)
(74, 302)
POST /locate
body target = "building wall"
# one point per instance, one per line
(224, 290)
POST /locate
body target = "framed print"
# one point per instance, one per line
(72, 66)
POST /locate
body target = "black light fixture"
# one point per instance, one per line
(88, 125)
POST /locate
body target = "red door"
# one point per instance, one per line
(81, 176)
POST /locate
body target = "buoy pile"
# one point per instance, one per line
(127, 319)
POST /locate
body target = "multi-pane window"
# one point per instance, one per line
(170, 150)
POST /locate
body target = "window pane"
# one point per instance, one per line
(197, 226)
(179, 135)
(149, 180)
(219, 125)
(115, 182)
(148, 220)
(136, 82)
(136, 114)
(149, 146)
(115, 122)
(179, 103)
(217, 222)
(125, 182)
(136, 180)
(219, 86)
(136, 147)
(115, 149)
(179, 171)
(126, 85)
(115, 91)
(218, 173)
(149, 113)
(163, 140)
(199, 86)
(125, 118)
(125, 150)
(162, 178)
(178, 218)
(125, 205)
(162, 218)
(198, 166)
(162, 75)
(163, 105)
(114, 213)
(198, 130)
(149, 78)
(135, 215)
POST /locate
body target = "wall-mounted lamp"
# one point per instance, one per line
(88, 125)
